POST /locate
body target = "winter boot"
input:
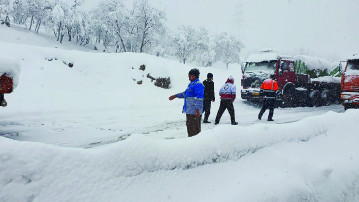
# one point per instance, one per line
(234, 123)
(3, 103)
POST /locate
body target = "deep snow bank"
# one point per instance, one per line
(46, 172)
(96, 80)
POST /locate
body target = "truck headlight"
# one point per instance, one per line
(346, 96)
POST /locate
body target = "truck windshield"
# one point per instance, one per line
(265, 66)
(353, 67)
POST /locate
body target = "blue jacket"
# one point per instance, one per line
(193, 97)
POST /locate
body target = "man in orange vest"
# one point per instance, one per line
(268, 90)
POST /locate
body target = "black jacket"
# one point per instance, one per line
(208, 89)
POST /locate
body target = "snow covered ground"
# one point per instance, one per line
(91, 133)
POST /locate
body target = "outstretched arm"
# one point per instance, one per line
(178, 95)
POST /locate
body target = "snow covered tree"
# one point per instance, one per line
(64, 19)
(205, 53)
(131, 30)
(100, 25)
(227, 49)
(57, 22)
(109, 24)
(300, 67)
(149, 23)
(38, 10)
(187, 42)
(208, 57)
(19, 11)
(4, 10)
(33, 6)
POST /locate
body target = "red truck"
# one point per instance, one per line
(350, 83)
(294, 89)
(6, 86)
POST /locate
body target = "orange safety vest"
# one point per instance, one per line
(269, 84)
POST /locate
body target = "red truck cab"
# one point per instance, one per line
(258, 68)
(350, 84)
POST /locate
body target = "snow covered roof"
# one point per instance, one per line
(262, 57)
(266, 56)
(315, 62)
(11, 68)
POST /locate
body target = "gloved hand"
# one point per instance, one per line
(172, 97)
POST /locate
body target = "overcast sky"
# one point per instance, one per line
(327, 28)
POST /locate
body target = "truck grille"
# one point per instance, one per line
(252, 82)
(355, 88)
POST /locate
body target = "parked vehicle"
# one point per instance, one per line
(294, 89)
(350, 83)
(6, 86)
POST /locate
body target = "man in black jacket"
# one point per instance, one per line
(208, 96)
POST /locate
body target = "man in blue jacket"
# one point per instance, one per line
(193, 103)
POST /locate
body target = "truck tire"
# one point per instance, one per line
(288, 95)
(347, 106)
(326, 99)
(314, 98)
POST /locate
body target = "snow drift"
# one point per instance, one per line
(331, 173)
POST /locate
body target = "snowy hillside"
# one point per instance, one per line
(90, 132)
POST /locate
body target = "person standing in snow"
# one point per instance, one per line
(208, 96)
(193, 103)
(268, 89)
(228, 95)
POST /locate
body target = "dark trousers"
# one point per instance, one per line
(193, 124)
(267, 103)
(226, 104)
(206, 108)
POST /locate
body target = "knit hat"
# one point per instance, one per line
(209, 75)
(230, 79)
(194, 72)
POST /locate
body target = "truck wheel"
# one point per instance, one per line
(314, 98)
(325, 97)
(288, 97)
(346, 106)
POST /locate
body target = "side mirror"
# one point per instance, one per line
(340, 66)
(280, 71)
(243, 67)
